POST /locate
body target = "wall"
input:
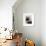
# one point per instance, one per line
(32, 32)
(43, 22)
(6, 13)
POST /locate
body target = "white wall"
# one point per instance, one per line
(6, 13)
(38, 31)
(32, 32)
(43, 22)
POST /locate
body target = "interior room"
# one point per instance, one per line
(22, 22)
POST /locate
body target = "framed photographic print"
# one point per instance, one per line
(28, 19)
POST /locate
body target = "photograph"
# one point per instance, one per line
(28, 19)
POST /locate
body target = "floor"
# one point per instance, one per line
(13, 41)
(9, 43)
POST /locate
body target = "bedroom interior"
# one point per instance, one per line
(23, 23)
